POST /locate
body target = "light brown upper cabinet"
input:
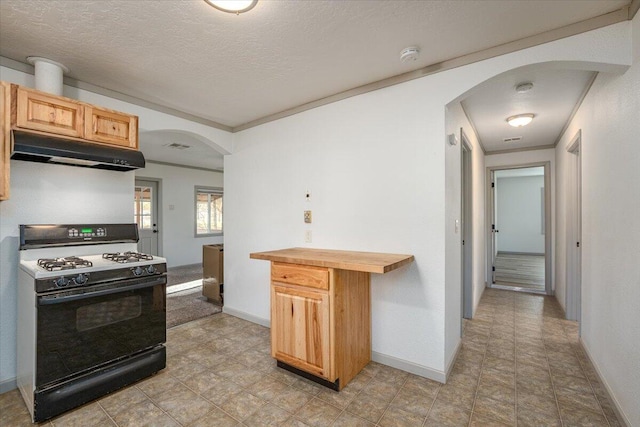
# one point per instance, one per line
(43, 112)
(59, 116)
(110, 127)
(5, 140)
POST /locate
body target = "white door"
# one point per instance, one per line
(146, 215)
(467, 231)
(574, 232)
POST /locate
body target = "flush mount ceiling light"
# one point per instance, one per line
(232, 6)
(520, 120)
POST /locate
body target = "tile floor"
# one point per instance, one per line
(519, 364)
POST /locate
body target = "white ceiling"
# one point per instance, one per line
(234, 69)
(552, 100)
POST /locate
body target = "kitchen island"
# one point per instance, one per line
(321, 310)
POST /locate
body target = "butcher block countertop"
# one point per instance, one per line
(370, 262)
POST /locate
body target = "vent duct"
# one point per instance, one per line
(49, 74)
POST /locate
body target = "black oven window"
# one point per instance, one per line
(107, 313)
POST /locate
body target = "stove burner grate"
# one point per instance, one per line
(124, 257)
(68, 263)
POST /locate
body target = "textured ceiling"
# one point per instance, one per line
(234, 69)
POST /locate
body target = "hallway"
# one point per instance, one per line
(528, 365)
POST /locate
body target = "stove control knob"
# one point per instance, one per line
(151, 269)
(80, 279)
(61, 282)
(137, 271)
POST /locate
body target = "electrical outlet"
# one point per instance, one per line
(307, 217)
(307, 236)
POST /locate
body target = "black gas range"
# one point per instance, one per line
(91, 314)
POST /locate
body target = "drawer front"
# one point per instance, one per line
(303, 275)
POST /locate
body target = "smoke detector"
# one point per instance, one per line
(409, 54)
(524, 87)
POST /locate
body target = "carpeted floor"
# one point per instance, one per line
(189, 304)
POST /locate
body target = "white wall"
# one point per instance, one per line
(42, 193)
(50, 194)
(610, 122)
(375, 165)
(177, 225)
(519, 216)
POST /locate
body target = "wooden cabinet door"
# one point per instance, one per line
(48, 113)
(111, 127)
(300, 329)
(5, 140)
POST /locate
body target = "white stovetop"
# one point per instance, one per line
(29, 259)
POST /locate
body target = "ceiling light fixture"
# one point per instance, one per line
(520, 120)
(232, 6)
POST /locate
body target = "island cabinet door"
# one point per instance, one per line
(300, 329)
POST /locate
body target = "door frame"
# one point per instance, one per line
(158, 202)
(490, 211)
(573, 291)
(466, 188)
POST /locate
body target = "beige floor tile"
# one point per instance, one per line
(567, 397)
(113, 402)
(383, 390)
(267, 415)
(367, 406)
(143, 414)
(317, 413)
(413, 403)
(480, 420)
(158, 384)
(267, 388)
(487, 407)
(421, 385)
(400, 417)
(182, 404)
(339, 399)
(576, 417)
(497, 391)
(221, 390)
(530, 418)
(537, 402)
(347, 419)
(445, 414)
(87, 415)
(242, 405)
(291, 399)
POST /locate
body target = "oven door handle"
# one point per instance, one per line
(49, 300)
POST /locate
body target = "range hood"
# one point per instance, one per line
(46, 149)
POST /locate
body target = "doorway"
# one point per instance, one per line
(146, 215)
(520, 228)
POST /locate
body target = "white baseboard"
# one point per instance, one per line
(385, 359)
(410, 367)
(453, 359)
(8, 385)
(246, 316)
(616, 406)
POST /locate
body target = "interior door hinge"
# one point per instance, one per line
(493, 268)
(493, 184)
(577, 244)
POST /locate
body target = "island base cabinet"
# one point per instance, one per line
(300, 329)
(325, 333)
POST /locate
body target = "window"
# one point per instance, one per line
(208, 211)
(142, 207)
